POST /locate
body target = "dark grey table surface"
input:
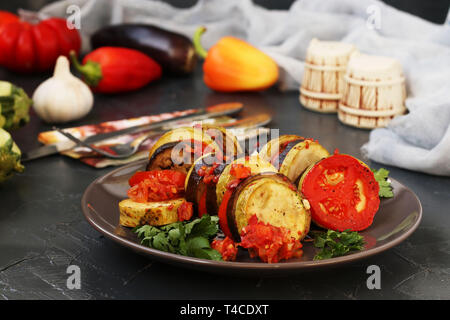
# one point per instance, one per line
(43, 231)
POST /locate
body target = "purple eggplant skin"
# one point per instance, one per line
(282, 155)
(162, 159)
(211, 196)
(174, 52)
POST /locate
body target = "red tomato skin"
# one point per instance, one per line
(69, 39)
(26, 47)
(25, 57)
(123, 69)
(9, 33)
(7, 17)
(47, 46)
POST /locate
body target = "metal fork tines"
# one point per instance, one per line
(121, 151)
(125, 150)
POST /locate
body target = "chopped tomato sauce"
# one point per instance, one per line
(185, 211)
(271, 244)
(227, 248)
(240, 171)
(196, 147)
(208, 174)
(156, 185)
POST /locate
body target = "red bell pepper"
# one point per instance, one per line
(234, 65)
(34, 46)
(115, 69)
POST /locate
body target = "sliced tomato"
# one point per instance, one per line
(223, 220)
(239, 171)
(342, 192)
(156, 185)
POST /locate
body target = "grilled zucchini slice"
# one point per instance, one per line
(159, 213)
(226, 141)
(292, 155)
(256, 165)
(274, 200)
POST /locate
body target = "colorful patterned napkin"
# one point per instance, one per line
(93, 159)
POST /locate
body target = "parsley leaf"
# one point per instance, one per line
(188, 238)
(335, 244)
(381, 175)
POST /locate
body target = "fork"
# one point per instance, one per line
(126, 150)
(121, 151)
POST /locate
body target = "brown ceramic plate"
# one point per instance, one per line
(396, 219)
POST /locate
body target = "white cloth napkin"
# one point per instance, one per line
(417, 141)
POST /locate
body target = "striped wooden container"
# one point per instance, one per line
(374, 91)
(325, 67)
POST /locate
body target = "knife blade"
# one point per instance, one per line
(200, 114)
(47, 150)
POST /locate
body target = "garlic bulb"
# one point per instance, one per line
(63, 97)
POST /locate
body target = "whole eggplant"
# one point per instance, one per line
(173, 51)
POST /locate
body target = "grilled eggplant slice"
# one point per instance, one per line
(199, 179)
(207, 180)
(159, 213)
(260, 194)
(292, 155)
(163, 156)
(166, 158)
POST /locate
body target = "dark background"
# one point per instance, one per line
(42, 229)
(434, 10)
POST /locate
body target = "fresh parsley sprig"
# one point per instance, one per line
(381, 175)
(335, 244)
(188, 238)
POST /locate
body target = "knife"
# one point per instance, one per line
(199, 114)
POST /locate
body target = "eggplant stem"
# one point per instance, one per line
(201, 52)
(91, 71)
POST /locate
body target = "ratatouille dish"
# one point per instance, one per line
(202, 196)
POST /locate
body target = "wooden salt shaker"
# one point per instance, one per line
(374, 91)
(323, 77)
